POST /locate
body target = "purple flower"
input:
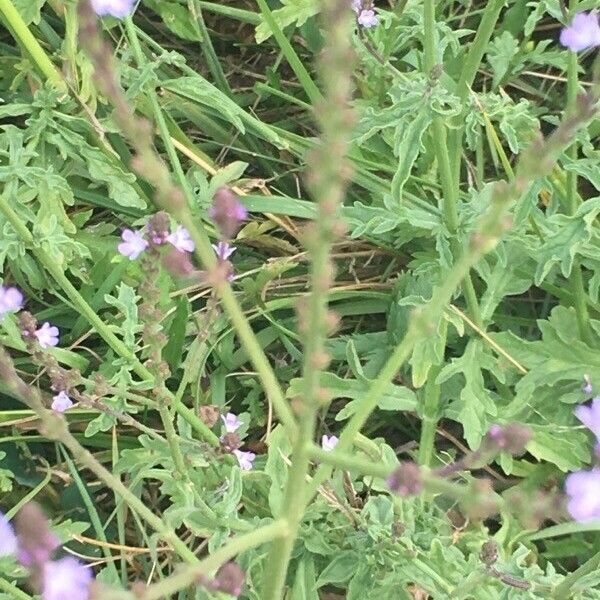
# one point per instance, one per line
(356, 6)
(37, 543)
(367, 18)
(231, 422)
(114, 8)
(245, 459)
(583, 490)
(181, 239)
(223, 250)
(66, 578)
(61, 402)
(133, 244)
(590, 416)
(8, 539)
(583, 33)
(328, 443)
(47, 335)
(11, 300)
(227, 212)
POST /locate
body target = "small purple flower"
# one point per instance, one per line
(231, 422)
(590, 416)
(227, 212)
(223, 250)
(583, 33)
(367, 18)
(61, 402)
(356, 6)
(245, 459)
(328, 443)
(181, 239)
(47, 335)
(133, 244)
(583, 490)
(11, 300)
(587, 387)
(115, 8)
(37, 543)
(8, 539)
(66, 578)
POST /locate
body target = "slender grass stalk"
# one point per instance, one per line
(309, 86)
(13, 591)
(327, 180)
(31, 45)
(208, 50)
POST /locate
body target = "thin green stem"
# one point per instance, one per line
(564, 589)
(328, 186)
(440, 143)
(467, 76)
(13, 591)
(208, 50)
(168, 587)
(430, 417)
(576, 282)
(54, 427)
(31, 45)
(206, 254)
(312, 91)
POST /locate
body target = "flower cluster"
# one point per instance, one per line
(365, 15)
(114, 8)
(33, 545)
(583, 487)
(583, 33)
(231, 423)
(135, 242)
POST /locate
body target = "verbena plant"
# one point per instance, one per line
(367, 380)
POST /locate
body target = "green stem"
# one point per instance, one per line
(430, 417)
(312, 91)
(167, 588)
(328, 187)
(31, 45)
(207, 48)
(576, 282)
(467, 75)
(13, 591)
(564, 588)
(449, 186)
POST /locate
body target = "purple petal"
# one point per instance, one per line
(66, 578)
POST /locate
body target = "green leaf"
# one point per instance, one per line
(340, 569)
(293, 12)
(179, 20)
(173, 351)
(500, 55)
(30, 10)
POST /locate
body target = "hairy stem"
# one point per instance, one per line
(327, 180)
